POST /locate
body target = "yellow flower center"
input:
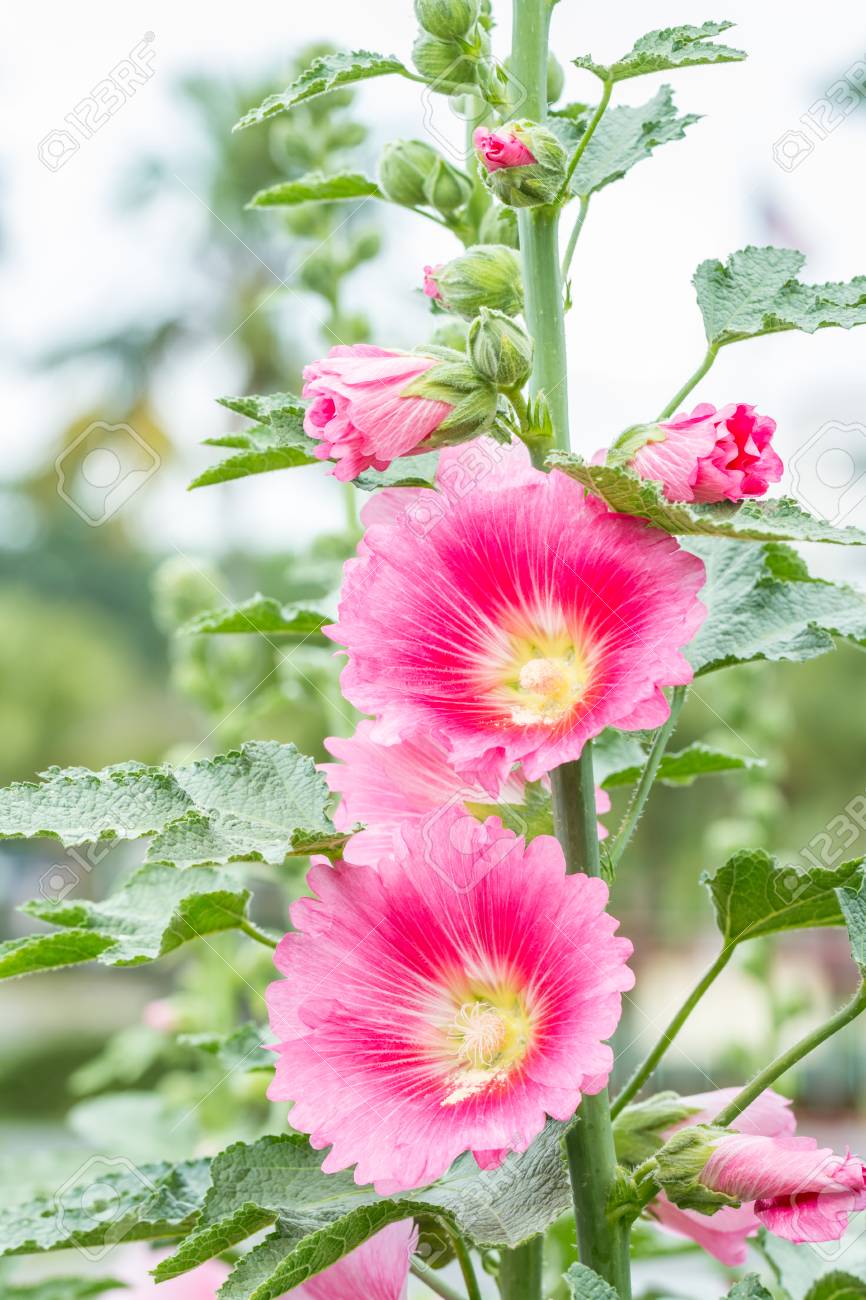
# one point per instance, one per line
(488, 1036)
(548, 676)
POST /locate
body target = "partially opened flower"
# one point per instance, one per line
(523, 163)
(725, 1233)
(710, 455)
(378, 1269)
(370, 405)
(513, 619)
(503, 148)
(385, 786)
(447, 1001)
(796, 1189)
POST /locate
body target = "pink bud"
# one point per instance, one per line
(501, 149)
(431, 288)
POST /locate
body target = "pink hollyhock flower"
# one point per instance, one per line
(378, 1269)
(512, 618)
(724, 1234)
(501, 149)
(447, 1001)
(359, 410)
(711, 455)
(385, 786)
(431, 288)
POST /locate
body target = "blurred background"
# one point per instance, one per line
(138, 289)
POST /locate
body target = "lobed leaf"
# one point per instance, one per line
(584, 1284)
(749, 1288)
(757, 292)
(242, 1049)
(159, 908)
(838, 1286)
(625, 136)
(754, 894)
(779, 519)
(852, 902)
(260, 614)
(316, 187)
(277, 442)
(323, 75)
(684, 767)
(666, 49)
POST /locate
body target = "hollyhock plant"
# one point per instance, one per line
(386, 786)
(448, 1001)
(368, 405)
(513, 622)
(711, 455)
(725, 1233)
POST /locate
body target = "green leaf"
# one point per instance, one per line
(852, 901)
(406, 471)
(262, 802)
(128, 1203)
(665, 50)
(684, 767)
(584, 1284)
(157, 910)
(315, 187)
(749, 1288)
(754, 894)
(279, 442)
(624, 137)
(838, 1286)
(325, 74)
(61, 1288)
(757, 292)
(261, 614)
(320, 1217)
(778, 520)
(239, 1050)
(762, 604)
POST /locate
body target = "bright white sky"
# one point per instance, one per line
(635, 332)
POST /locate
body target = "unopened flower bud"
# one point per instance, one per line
(446, 188)
(403, 168)
(499, 226)
(680, 1164)
(487, 275)
(446, 18)
(448, 65)
(499, 349)
(523, 163)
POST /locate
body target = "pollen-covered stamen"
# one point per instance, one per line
(479, 1032)
(548, 686)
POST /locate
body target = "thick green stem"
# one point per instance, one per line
(589, 1144)
(644, 1070)
(768, 1076)
(647, 777)
(520, 1271)
(690, 383)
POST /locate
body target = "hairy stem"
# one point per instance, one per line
(768, 1076)
(260, 936)
(643, 789)
(432, 1279)
(585, 139)
(464, 1259)
(520, 1270)
(589, 1144)
(691, 382)
(645, 1069)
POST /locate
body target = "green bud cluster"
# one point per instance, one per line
(414, 175)
(487, 275)
(500, 350)
(452, 46)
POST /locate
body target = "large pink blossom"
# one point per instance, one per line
(712, 455)
(514, 619)
(359, 411)
(384, 786)
(725, 1233)
(448, 1000)
(501, 149)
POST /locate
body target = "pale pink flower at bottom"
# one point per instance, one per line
(384, 786)
(447, 1001)
(378, 1269)
(725, 1233)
